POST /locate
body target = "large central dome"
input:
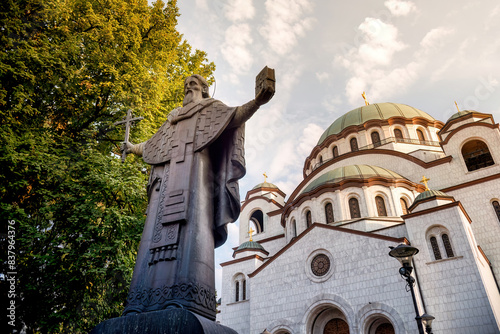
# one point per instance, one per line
(376, 111)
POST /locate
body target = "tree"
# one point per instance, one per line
(69, 70)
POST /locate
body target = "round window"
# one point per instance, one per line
(320, 265)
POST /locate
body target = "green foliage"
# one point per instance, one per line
(69, 70)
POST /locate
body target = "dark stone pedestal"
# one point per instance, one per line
(169, 321)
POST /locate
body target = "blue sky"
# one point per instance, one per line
(425, 53)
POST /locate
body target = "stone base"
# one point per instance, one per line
(169, 321)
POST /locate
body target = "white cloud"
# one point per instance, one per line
(322, 76)
(435, 38)
(400, 8)
(239, 10)
(235, 49)
(370, 61)
(381, 42)
(285, 23)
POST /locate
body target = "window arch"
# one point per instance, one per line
(308, 218)
(398, 134)
(496, 207)
(240, 287)
(420, 135)
(476, 155)
(375, 139)
(440, 243)
(354, 208)
(320, 160)
(354, 144)
(335, 151)
(404, 205)
(257, 221)
(329, 213)
(381, 209)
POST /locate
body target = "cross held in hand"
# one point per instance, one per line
(127, 121)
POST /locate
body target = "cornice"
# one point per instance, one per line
(464, 126)
(251, 257)
(438, 208)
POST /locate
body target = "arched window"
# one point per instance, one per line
(435, 248)
(308, 218)
(447, 245)
(257, 221)
(240, 287)
(496, 207)
(398, 134)
(354, 208)
(380, 203)
(354, 144)
(320, 159)
(404, 206)
(329, 213)
(335, 151)
(420, 135)
(293, 228)
(476, 155)
(375, 139)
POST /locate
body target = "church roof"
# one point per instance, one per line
(460, 114)
(430, 193)
(375, 111)
(351, 172)
(265, 185)
(250, 245)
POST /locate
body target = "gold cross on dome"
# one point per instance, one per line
(250, 231)
(265, 177)
(457, 106)
(424, 181)
(364, 97)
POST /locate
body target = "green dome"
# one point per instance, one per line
(459, 114)
(380, 111)
(351, 172)
(250, 245)
(430, 193)
(265, 185)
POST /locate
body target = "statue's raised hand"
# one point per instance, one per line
(264, 95)
(264, 86)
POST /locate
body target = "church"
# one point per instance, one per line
(382, 175)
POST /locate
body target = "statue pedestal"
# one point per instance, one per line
(169, 321)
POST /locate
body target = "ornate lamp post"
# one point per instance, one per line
(404, 254)
(426, 322)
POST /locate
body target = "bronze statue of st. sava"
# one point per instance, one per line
(196, 158)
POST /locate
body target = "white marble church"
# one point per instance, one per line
(318, 261)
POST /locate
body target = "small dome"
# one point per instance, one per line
(249, 245)
(460, 114)
(265, 185)
(380, 111)
(430, 193)
(351, 172)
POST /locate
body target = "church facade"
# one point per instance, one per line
(318, 261)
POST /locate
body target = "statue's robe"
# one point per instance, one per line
(197, 160)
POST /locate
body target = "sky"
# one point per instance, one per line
(423, 53)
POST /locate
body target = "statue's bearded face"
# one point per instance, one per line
(193, 90)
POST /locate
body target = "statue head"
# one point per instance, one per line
(195, 89)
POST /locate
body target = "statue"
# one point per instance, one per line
(196, 158)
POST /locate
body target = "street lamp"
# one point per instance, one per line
(404, 254)
(426, 322)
